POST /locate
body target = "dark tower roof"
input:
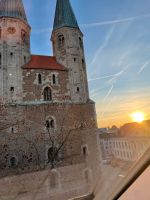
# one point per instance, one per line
(12, 8)
(64, 15)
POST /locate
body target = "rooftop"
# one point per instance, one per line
(12, 8)
(43, 62)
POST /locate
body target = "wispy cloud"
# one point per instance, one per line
(106, 40)
(118, 21)
(109, 93)
(143, 66)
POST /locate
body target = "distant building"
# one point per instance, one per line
(136, 129)
(124, 148)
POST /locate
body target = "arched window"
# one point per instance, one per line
(47, 94)
(39, 79)
(47, 124)
(50, 123)
(61, 41)
(13, 162)
(80, 42)
(54, 79)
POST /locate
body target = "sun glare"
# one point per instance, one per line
(138, 117)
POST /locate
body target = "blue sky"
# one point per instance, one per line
(117, 49)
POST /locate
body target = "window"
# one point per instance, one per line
(54, 79)
(12, 130)
(12, 89)
(80, 42)
(78, 89)
(50, 123)
(47, 94)
(25, 59)
(61, 41)
(84, 150)
(13, 162)
(39, 79)
(75, 59)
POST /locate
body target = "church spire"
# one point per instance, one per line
(64, 15)
(12, 8)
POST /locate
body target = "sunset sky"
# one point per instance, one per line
(117, 49)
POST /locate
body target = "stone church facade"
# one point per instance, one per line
(44, 99)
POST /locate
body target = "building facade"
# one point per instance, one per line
(123, 148)
(45, 108)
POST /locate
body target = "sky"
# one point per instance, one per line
(117, 50)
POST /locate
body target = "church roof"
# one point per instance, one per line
(44, 62)
(64, 15)
(12, 8)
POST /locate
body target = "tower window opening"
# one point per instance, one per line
(78, 89)
(50, 123)
(75, 59)
(12, 130)
(80, 42)
(39, 79)
(84, 150)
(12, 89)
(47, 94)
(11, 54)
(54, 79)
(61, 41)
(82, 61)
(25, 59)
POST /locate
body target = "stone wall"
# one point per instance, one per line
(24, 135)
(33, 90)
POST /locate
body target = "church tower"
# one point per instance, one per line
(69, 50)
(14, 49)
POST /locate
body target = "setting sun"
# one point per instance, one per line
(138, 117)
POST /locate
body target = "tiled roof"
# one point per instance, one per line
(64, 15)
(44, 62)
(12, 8)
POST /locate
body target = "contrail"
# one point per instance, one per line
(109, 93)
(143, 67)
(102, 77)
(118, 21)
(107, 106)
(107, 38)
